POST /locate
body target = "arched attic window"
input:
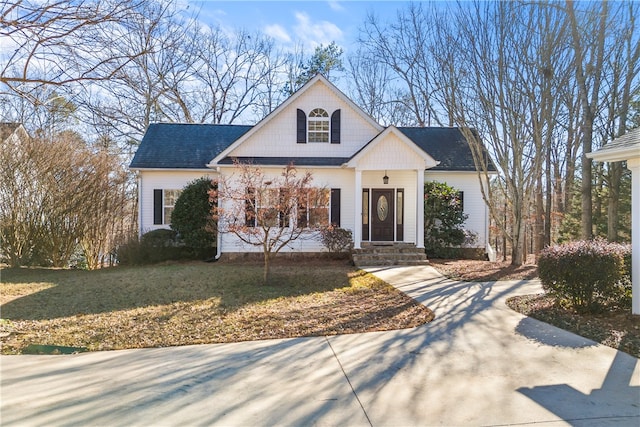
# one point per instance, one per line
(318, 126)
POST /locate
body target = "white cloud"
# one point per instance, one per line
(314, 34)
(278, 33)
(336, 6)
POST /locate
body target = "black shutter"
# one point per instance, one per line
(249, 208)
(335, 127)
(157, 207)
(335, 207)
(302, 127)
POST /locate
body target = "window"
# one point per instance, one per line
(399, 214)
(267, 207)
(318, 208)
(163, 204)
(272, 207)
(169, 202)
(365, 214)
(318, 126)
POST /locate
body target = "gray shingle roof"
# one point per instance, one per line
(184, 146)
(629, 139)
(446, 145)
(192, 146)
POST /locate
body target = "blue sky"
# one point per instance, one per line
(289, 22)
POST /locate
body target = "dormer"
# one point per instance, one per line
(317, 127)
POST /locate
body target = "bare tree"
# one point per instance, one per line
(622, 79)
(51, 41)
(269, 212)
(589, 56)
(404, 47)
(56, 192)
(506, 95)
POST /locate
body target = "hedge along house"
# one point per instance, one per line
(374, 175)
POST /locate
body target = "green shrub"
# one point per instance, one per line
(160, 238)
(158, 246)
(586, 274)
(443, 220)
(625, 285)
(191, 217)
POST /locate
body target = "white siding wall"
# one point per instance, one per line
(278, 136)
(327, 178)
(165, 180)
(474, 205)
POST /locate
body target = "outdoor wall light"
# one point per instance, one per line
(385, 178)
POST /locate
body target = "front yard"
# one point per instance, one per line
(195, 303)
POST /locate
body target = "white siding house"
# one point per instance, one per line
(320, 130)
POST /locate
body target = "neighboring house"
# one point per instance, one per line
(627, 147)
(375, 174)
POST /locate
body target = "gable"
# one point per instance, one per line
(183, 146)
(279, 134)
(391, 150)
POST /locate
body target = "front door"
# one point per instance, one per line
(382, 215)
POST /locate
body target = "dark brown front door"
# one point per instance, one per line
(382, 215)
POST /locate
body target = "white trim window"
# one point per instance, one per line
(318, 126)
(163, 203)
(314, 212)
(169, 202)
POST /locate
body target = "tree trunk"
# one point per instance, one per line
(586, 216)
(539, 231)
(518, 242)
(266, 276)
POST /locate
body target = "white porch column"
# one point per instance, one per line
(420, 209)
(357, 232)
(634, 166)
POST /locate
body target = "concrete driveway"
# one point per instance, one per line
(477, 364)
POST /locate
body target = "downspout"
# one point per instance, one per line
(139, 181)
(218, 234)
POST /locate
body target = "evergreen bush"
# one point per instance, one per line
(443, 220)
(192, 217)
(586, 274)
(158, 246)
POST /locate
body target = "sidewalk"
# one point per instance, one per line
(477, 363)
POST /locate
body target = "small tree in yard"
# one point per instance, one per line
(191, 216)
(269, 212)
(443, 218)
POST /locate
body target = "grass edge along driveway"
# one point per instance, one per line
(195, 303)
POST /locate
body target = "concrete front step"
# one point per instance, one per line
(389, 254)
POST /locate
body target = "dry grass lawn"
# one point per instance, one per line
(194, 303)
